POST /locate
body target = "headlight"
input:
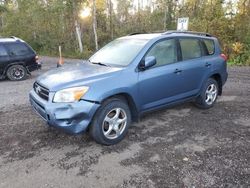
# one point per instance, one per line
(70, 94)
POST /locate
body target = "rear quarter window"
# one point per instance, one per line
(210, 46)
(18, 49)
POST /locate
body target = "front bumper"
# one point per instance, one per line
(70, 117)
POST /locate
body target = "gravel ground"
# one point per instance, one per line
(178, 147)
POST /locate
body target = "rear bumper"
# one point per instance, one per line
(34, 67)
(224, 79)
(70, 117)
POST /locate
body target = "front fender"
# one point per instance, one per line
(119, 84)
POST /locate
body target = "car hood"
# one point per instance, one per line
(75, 75)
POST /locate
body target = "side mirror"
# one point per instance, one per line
(149, 61)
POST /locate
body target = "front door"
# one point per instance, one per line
(160, 84)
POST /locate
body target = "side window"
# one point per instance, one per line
(210, 46)
(3, 51)
(18, 49)
(164, 52)
(190, 48)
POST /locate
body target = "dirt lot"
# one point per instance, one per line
(178, 147)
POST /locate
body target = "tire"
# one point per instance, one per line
(208, 95)
(111, 122)
(16, 73)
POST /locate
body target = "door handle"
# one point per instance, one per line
(208, 65)
(177, 71)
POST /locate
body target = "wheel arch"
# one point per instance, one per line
(218, 79)
(129, 100)
(15, 63)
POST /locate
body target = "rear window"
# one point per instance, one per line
(210, 46)
(190, 48)
(18, 49)
(3, 51)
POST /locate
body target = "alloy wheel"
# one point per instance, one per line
(114, 123)
(211, 94)
(17, 73)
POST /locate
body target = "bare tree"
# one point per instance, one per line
(110, 24)
(77, 28)
(95, 24)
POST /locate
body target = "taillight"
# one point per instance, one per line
(37, 59)
(224, 56)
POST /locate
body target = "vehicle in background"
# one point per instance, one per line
(128, 77)
(17, 59)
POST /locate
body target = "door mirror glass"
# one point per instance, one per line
(149, 61)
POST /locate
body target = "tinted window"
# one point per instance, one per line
(210, 46)
(3, 51)
(18, 49)
(190, 48)
(164, 52)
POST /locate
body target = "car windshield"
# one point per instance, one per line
(119, 52)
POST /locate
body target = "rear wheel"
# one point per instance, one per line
(111, 122)
(16, 72)
(208, 95)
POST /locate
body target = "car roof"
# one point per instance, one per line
(10, 39)
(7, 40)
(142, 36)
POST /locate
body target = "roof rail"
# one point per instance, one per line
(16, 38)
(135, 33)
(188, 32)
(13, 37)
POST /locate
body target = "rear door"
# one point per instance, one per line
(4, 59)
(193, 66)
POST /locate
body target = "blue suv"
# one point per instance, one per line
(128, 77)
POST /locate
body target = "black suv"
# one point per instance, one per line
(17, 59)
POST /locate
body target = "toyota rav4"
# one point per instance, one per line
(128, 77)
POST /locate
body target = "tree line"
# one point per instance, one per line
(46, 24)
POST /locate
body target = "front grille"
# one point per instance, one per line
(41, 91)
(39, 109)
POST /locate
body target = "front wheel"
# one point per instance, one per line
(208, 95)
(111, 122)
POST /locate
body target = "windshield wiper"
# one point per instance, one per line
(100, 63)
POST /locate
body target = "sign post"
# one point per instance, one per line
(182, 24)
(61, 61)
